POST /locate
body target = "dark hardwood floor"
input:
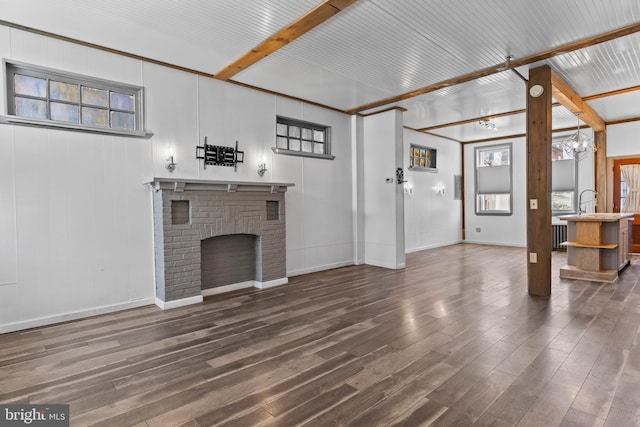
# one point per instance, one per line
(453, 339)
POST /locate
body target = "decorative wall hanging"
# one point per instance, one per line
(218, 155)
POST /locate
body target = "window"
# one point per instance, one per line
(422, 158)
(564, 172)
(41, 96)
(298, 138)
(493, 180)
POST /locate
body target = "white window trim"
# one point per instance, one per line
(54, 124)
(327, 143)
(475, 170)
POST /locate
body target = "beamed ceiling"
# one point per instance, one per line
(445, 62)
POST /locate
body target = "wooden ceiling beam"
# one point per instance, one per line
(568, 97)
(560, 50)
(300, 26)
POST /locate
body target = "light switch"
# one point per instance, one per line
(533, 204)
(533, 257)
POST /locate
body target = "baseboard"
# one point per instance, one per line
(437, 245)
(320, 268)
(168, 305)
(271, 283)
(59, 318)
(228, 288)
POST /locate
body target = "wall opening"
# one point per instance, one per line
(228, 260)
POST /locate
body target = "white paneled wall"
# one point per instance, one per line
(76, 218)
(432, 219)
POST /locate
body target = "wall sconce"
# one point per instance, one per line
(408, 188)
(262, 167)
(170, 165)
(439, 189)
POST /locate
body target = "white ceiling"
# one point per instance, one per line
(375, 50)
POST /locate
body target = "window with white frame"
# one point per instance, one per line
(493, 180)
(47, 97)
(300, 138)
(564, 181)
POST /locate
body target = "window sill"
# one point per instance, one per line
(22, 121)
(302, 154)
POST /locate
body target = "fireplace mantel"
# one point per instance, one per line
(180, 185)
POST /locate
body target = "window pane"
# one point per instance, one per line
(281, 129)
(97, 97)
(318, 135)
(294, 131)
(64, 112)
(562, 201)
(95, 116)
(25, 85)
(318, 148)
(294, 144)
(63, 91)
(307, 133)
(122, 120)
(282, 142)
(33, 108)
(306, 147)
(121, 101)
(499, 203)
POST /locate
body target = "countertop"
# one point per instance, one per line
(605, 216)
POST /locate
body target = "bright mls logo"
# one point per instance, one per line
(34, 415)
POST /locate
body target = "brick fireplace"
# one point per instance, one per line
(216, 236)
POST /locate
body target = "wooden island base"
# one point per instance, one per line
(598, 246)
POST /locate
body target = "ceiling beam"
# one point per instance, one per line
(300, 26)
(568, 97)
(541, 56)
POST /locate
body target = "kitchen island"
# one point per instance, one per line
(598, 246)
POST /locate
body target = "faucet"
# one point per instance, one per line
(580, 199)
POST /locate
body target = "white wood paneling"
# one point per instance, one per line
(8, 242)
(623, 140)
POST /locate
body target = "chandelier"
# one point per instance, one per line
(577, 145)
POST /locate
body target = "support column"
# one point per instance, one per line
(539, 231)
(604, 200)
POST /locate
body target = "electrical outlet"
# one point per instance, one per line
(533, 203)
(478, 229)
(533, 258)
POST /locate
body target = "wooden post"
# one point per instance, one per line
(539, 241)
(600, 172)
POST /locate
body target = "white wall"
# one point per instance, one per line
(497, 230)
(383, 204)
(75, 217)
(432, 219)
(623, 140)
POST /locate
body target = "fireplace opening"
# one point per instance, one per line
(228, 260)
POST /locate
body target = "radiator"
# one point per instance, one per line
(559, 236)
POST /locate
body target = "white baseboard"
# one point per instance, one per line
(320, 268)
(437, 245)
(271, 283)
(59, 318)
(168, 305)
(228, 288)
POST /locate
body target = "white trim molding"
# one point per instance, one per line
(168, 305)
(271, 283)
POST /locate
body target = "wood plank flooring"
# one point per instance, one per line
(453, 339)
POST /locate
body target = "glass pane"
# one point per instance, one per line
(562, 201)
(95, 116)
(63, 91)
(122, 120)
(26, 85)
(281, 142)
(33, 108)
(281, 129)
(93, 96)
(318, 147)
(64, 112)
(306, 147)
(307, 133)
(318, 135)
(122, 101)
(294, 144)
(294, 131)
(499, 203)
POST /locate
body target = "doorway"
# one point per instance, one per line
(621, 193)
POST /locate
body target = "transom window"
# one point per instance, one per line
(493, 180)
(296, 137)
(50, 97)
